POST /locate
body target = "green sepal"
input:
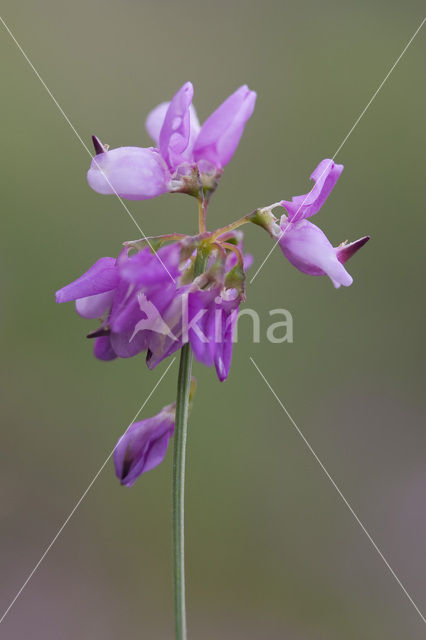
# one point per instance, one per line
(263, 218)
(236, 279)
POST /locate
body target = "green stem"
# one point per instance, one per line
(179, 454)
(231, 227)
(181, 425)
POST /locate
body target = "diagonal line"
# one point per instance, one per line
(78, 503)
(347, 136)
(379, 87)
(338, 491)
(123, 204)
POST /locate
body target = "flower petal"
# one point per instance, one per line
(151, 269)
(94, 306)
(310, 251)
(127, 344)
(155, 121)
(325, 177)
(133, 173)
(202, 314)
(222, 131)
(103, 350)
(175, 132)
(223, 350)
(101, 277)
(143, 446)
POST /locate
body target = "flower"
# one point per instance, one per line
(182, 148)
(144, 303)
(146, 289)
(122, 293)
(303, 243)
(204, 318)
(143, 446)
(204, 314)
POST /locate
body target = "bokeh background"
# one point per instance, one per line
(272, 551)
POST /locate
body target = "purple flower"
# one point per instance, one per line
(224, 310)
(128, 295)
(130, 172)
(145, 290)
(138, 174)
(303, 243)
(204, 318)
(204, 314)
(143, 446)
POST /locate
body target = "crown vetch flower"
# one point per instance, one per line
(143, 446)
(303, 243)
(138, 173)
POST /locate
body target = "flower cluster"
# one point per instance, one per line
(151, 302)
(164, 292)
(185, 153)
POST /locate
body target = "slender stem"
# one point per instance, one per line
(255, 216)
(202, 211)
(181, 425)
(179, 454)
(231, 227)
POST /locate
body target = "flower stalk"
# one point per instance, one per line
(179, 458)
(178, 513)
(202, 209)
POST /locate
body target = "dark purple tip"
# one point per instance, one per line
(347, 251)
(101, 331)
(99, 147)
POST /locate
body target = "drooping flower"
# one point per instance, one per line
(143, 446)
(128, 295)
(303, 243)
(204, 318)
(146, 289)
(183, 147)
(146, 304)
(204, 313)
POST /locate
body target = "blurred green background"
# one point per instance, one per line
(272, 551)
